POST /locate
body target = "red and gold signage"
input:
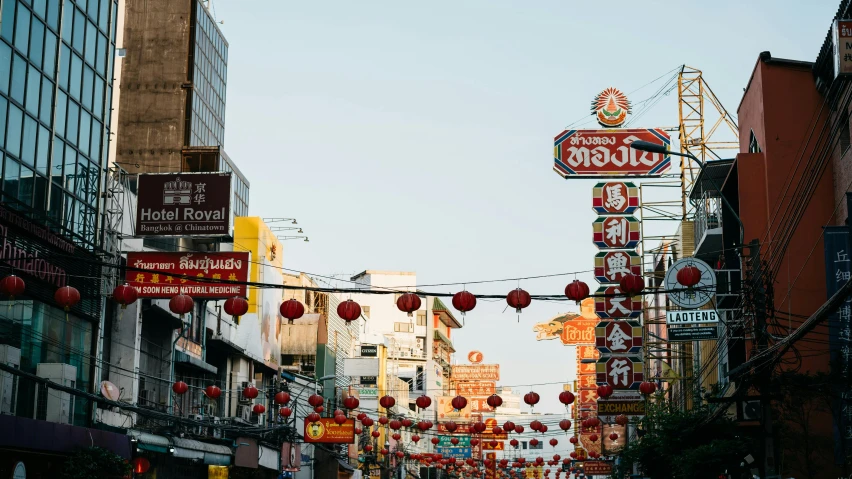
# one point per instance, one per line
(611, 266)
(591, 468)
(616, 232)
(447, 411)
(578, 331)
(327, 431)
(478, 388)
(619, 337)
(620, 372)
(607, 153)
(479, 372)
(490, 424)
(611, 303)
(475, 357)
(615, 198)
(486, 446)
(628, 408)
(159, 275)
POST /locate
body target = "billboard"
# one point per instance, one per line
(616, 232)
(607, 153)
(615, 198)
(183, 204)
(620, 372)
(447, 411)
(159, 275)
(477, 388)
(479, 372)
(611, 266)
(619, 337)
(326, 431)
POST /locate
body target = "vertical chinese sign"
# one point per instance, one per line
(837, 273)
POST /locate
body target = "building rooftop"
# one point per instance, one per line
(446, 315)
(381, 273)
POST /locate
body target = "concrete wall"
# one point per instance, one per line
(153, 74)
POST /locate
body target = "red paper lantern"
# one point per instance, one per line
(285, 412)
(339, 419)
(557, 457)
(573, 455)
(291, 309)
(422, 425)
(451, 426)
(474, 442)
(494, 401)
(141, 465)
(383, 420)
(423, 402)
(387, 402)
(236, 307)
(315, 400)
(213, 392)
(67, 297)
(519, 429)
(407, 422)
(281, 397)
(493, 444)
(258, 409)
(514, 443)
(621, 420)
(497, 430)
(367, 421)
(383, 452)
(478, 427)
(532, 398)
(319, 409)
(631, 284)
(181, 304)
(509, 426)
(577, 291)
(459, 402)
(464, 301)
(250, 392)
(180, 387)
(349, 310)
(605, 391)
(613, 436)
(518, 299)
(12, 286)
(375, 433)
(566, 397)
(543, 428)
(533, 442)
(554, 442)
(565, 424)
(415, 438)
(647, 388)
(454, 441)
(435, 440)
(123, 294)
(351, 402)
(594, 422)
(689, 276)
(396, 424)
(573, 440)
(408, 303)
(593, 437)
(400, 454)
(368, 448)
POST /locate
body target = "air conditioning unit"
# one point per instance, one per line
(9, 382)
(51, 404)
(196, 417)
(751, 410)
(244, 412)
(215, 421)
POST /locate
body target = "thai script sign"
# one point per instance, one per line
(163, 275)
(607, 153)
(480, 372)
(577, 332)
(616, 232)
(611, 266)
(327, 431)
(615, 198)
(184, 204)
(842, 48)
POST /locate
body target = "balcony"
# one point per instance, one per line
(706, 198)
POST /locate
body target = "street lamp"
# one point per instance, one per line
(285, 238)
(659, 148)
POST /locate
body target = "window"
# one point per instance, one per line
(753, 145)
(523, 444)
(844, 133)
(421, 318)
(403, 327)
(366, 311)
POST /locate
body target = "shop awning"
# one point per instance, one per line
(268, 458)
(183, 358)
(150, 442)
(213, 454)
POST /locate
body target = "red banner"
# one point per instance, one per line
(327, 431)
(159, 275)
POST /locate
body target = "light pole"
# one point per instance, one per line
(658, 148)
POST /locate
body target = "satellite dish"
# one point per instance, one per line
(110, 391)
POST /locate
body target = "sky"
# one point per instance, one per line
(418, 136)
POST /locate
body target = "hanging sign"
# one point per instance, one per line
(611, 266)
(692, 316)
(327, 431)
(616, 232)
(163, 275)
(618, 337)
(842, 48)
(615, 198)
(620, 372)
(607, 153)
(183, 204)
(696, 333)
(611, 303)
(696, 296)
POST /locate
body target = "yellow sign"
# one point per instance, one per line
(447, 411)
(217, 472)
(480, 372)
(478, 388)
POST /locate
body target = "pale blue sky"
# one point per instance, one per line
(418, 136)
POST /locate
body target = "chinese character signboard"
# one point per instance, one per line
(615, 198)
(184, 204)
(842, 48)
(327, 431)
(592, 468)
(616, 232)
(618, 337)
(837, 272)
(607, 153)
(480, 372)
(611, 266)
(161, 275)
(620, 372)
(611, 303)
(454, 452)
(477, 388)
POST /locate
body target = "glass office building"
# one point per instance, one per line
(56, 60)
(209, 53)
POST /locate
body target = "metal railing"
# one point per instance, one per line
(708, 215)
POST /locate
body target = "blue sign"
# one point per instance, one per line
(838, 270)
(456, 452)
